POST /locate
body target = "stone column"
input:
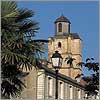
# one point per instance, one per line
(79, 93)
(71, 92)
(65, 90)
(40, 85)
(62, 90)
(68, 91)
(50, 87)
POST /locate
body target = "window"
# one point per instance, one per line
(71, 92)
(60, 27)
(50, 87)
(59, 44)
(61, 90)
(79, 94)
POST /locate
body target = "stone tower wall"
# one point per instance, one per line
(69, 46)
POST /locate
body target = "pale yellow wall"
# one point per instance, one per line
(69, 46)
(76, 46)
(31, 85)
(37, 87)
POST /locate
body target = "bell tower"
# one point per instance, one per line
(68, 44)
(62, 25)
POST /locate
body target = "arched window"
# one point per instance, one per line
(60, 27)
(61, 90)
(59, 44)
(50, 87)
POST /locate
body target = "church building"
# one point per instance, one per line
(68, 44)
(40, 83)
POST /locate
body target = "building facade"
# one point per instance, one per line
(40, 83)
(67, 88)
(68, 44)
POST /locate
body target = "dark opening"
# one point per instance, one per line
(59, 44)
(60, 27)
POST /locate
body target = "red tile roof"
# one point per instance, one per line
(82, 82)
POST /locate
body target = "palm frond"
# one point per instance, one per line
(8, 9)
(24, 14)
(17, 53)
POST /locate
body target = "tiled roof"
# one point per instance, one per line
(65, 35)
(60, 76)
(75, 35)
(83, 82)
(62, 19)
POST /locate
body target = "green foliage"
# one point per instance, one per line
(70, 60)
(92, 87)
(18, 50)
(11, 84)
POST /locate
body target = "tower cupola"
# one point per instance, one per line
(62, 26)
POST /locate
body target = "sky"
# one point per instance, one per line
(84, 18)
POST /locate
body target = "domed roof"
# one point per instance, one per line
(62, 19)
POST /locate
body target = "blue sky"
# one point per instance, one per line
(84, 18)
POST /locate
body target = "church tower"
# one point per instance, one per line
(62, 26)
(68, 44)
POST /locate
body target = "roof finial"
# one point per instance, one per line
(62, 14)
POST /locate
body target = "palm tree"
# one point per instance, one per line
(11, 81)
(18, 50)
